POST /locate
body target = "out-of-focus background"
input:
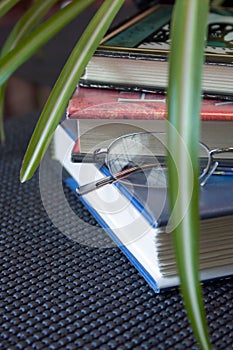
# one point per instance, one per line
(30, 86)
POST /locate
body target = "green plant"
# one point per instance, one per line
(184, 96)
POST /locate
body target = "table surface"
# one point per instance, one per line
(58, 293)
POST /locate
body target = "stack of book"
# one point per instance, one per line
(123, 91)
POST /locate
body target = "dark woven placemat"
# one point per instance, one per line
(61, 294)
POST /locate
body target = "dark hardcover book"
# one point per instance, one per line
(136, 219)
(134, 56)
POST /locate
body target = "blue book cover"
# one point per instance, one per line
(216, 199)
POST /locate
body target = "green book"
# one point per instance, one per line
(135, 55)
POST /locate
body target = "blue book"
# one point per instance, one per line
(130, 217)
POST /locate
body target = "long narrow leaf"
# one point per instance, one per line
(66, 84)
(26, 48)
(184, 98)
(6, 5)
(26, 23)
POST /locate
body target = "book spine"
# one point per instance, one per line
(91, 103)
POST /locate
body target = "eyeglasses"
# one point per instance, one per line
(141, 159)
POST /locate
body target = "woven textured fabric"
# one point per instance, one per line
(57, 293)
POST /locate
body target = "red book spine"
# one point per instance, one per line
(91, 103)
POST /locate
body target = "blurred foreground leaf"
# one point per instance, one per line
(26, 23)
(42, 34)
(65, 85)
(6, 5)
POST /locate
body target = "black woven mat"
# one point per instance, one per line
(61, 294)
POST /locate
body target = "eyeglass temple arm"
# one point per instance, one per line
(92, 186)
(203, 182)
(216, 164)
(221, 150)
(225, 165)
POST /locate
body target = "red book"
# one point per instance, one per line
(96, 110)
(91, 103)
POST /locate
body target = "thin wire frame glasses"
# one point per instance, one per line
(141, 159)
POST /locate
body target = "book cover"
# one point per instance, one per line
(148, 245)
(135, 55)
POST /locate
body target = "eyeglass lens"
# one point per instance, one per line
(146, 152)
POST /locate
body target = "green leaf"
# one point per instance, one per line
(6, 5)
(26, 48)
(184, 99)
(26, 23)
(65, 85)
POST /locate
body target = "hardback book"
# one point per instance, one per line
(105, 114)
(136, 221)
(135, 55)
